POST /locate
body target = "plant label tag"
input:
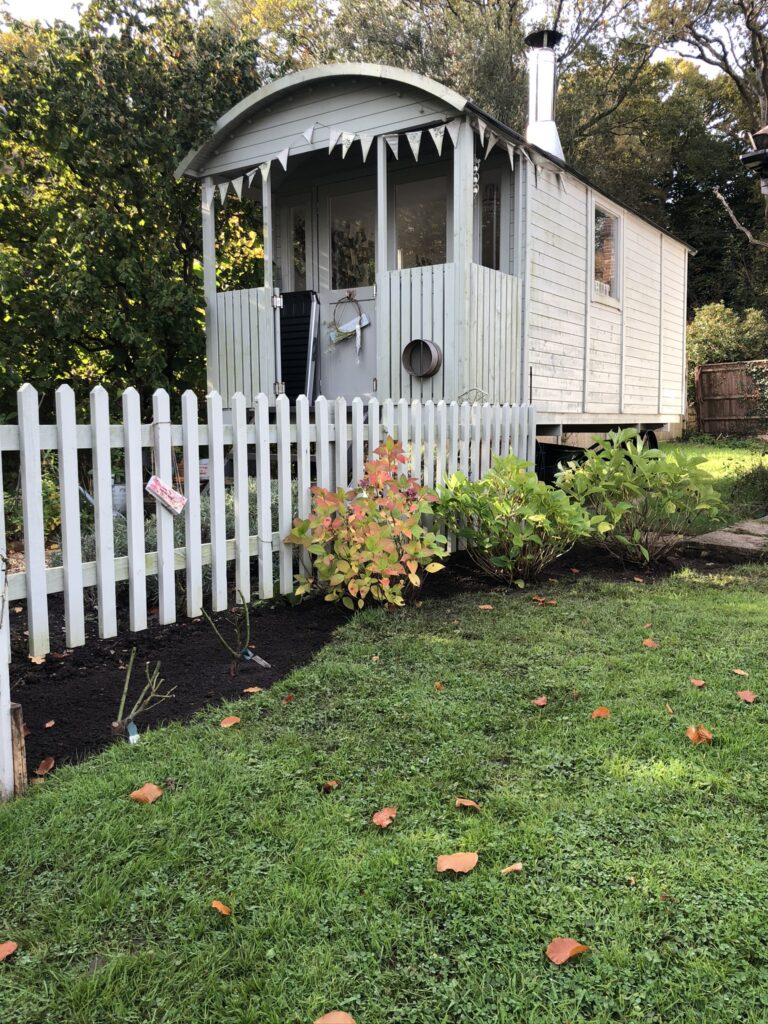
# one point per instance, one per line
(168, 498)
(133, 733)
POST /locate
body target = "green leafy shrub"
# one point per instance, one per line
(369, 542)
(514, 524)
(650, 499)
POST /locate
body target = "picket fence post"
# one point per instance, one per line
(7, 783)
(69, 496)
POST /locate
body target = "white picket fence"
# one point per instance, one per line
(300, 447)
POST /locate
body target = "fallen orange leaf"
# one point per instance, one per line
(45, 766)
(739, 672)
(601, 713)
(669, 709)
(561, 950)
(461, 863)
(254, 689)
(37, 659)
(747, 696)
(513, 868)
(540, 702)
(336, 1017)
(384, 817)
(50, 725)
(698, 683)
(148, 793)
(25, 730)
(330, 785)
(376, 658)
(485, 607)
(229, 721)
(470, 805)
(551, 600)
(698, 734)
(222, 908)
(575, 571)
(648, 625)
(649, 643)
(439, 687)
(288, 698)
(6, 948)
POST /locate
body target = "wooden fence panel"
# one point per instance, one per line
(727, 397)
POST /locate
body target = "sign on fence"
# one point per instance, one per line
(245, 475)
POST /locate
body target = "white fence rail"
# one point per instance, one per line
(279, 456)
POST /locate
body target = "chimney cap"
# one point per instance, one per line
(543, 38)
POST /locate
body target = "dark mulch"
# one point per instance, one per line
(80, 689)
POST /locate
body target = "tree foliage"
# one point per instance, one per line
(99, 251)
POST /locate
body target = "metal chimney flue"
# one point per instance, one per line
(542, 130)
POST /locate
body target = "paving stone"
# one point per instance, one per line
(753, 527)
(727, 546)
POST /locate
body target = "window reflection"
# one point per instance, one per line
(420, 223)
(353, 240)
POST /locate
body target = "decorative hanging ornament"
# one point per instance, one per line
(453, 130)
(283, 157)
(347, 138)
(438, 136)
(309, 133)
(511, 155)
(237, 185)
(492, 140)
(333, 137)
(366, 141)
(393, 141)
(414, 138)
(223, 189)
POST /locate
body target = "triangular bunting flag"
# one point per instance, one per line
(223, 189)
(251, 175)
(333, 137)
(208, 193)
(264, 168)
(438, 135)
(237, 185)
(309, 133)
(492, 140)
(453, 130)
(347, 138)
(481, 126)
(415, 140)
(366, 141)
(511, 155)
(393, 141)
(283, 157)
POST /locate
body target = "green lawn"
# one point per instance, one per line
(651, 851)
(739, 468)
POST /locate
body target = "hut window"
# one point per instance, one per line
(353, 240)
(606, 251)
(421, 209)
(490, 225)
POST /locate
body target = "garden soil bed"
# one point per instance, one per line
(79, 690)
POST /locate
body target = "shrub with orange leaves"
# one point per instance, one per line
(369, 543)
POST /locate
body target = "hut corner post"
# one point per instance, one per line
(463, 209)
(209, 283)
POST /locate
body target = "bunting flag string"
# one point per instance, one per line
(414, 138)
(335, 135)
(366, 141)
(511, 155)
(438, 135)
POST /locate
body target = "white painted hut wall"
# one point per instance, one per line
(557, 290)
(597, 357)
(352, 105)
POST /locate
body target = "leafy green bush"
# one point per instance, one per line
(514, 524)
(649, 498)
(718, 334)
(369, 542)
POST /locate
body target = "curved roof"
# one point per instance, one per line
(283, 86)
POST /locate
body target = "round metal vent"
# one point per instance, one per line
(422, 358)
